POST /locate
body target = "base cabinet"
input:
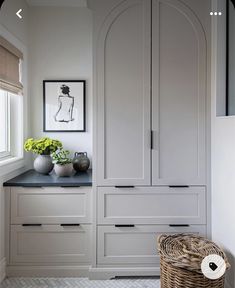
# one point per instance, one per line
(49, 230)
(135, 245)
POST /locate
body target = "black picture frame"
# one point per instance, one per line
(45, 96)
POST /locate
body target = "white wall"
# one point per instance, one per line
(60, 48)
(231, 88)
(15, 31)
(223, 186)
(223, 152)
(8, 19)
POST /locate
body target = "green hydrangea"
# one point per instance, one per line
(43, 146)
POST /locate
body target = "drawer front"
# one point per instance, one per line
(50, 244)
(54, 205)
(152, 205)
(135, 245)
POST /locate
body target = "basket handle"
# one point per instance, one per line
(160, 238)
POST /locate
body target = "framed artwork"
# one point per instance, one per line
(64, 105)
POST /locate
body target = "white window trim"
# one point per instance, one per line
(7, 153)
(11, 164)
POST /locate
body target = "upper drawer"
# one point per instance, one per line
(152, 205)
(50, 205)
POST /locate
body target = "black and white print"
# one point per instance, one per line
(64, 105)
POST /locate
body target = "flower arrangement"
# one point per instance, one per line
(43, 146)
(61, 157)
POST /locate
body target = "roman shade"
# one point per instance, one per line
(10, 58)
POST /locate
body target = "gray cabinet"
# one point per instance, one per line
(150, 79)
(49, 226)
(151, 66)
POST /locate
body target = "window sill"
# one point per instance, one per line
(10, 165)
(9, 160)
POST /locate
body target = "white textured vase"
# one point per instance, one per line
(65, 170)
(43, 164)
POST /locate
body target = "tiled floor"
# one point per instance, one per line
(80, 283)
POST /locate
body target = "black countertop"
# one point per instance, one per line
(33, 179)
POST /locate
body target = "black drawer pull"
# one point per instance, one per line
(123, 225)
(67, 186)
(125, 186)
(32, 187)
(31, 225)
(179, 225)
(70, 225)
(178, 186)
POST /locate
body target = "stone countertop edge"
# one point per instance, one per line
(31, 178)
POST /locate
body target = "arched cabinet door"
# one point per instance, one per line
(123, 95)
(179, 69)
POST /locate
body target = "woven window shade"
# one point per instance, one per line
(10, 58)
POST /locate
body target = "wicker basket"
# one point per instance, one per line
(180, 258)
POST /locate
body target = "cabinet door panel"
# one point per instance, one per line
(179, 95)
(123, 87)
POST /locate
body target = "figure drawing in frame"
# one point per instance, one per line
(65, 106)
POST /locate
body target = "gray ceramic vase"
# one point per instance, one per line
(65, 170)
(43, 164)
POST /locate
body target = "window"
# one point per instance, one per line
(11, 125)
(4, 124)
(11, 102)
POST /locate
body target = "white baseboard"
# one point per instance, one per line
(47, 271)
(105, 273)
(2, 269)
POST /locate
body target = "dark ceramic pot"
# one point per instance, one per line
(81, 162)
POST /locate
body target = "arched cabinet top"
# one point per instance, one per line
(117, 10)
(189, 14)
(114, 15)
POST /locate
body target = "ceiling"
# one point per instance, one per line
(58, 3)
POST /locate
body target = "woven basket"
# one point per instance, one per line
(180, 260)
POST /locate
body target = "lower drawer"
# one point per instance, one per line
(135, 245)
(50, 244)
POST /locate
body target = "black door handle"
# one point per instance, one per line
(70, 225)
(124, 225)
(31, 225)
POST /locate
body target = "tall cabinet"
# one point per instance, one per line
(151, 158)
